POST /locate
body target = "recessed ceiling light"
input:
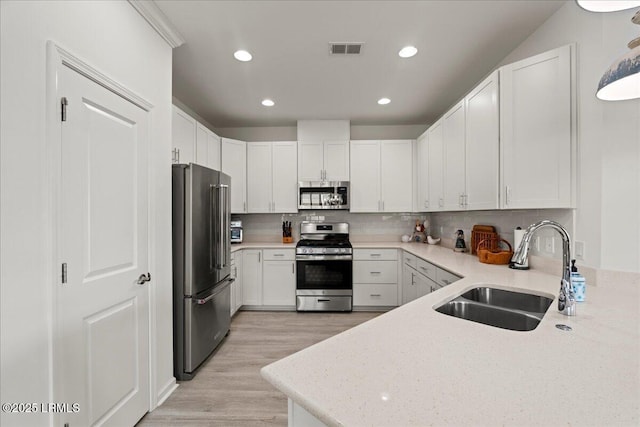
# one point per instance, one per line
(242, 55)
(607, 5)
(407, 52)
(268, 103)
(384, 101)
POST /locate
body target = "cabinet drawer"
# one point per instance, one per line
(444, 278)
(279, 254)
(375, 272)
(375, 254)
(382, 295)
(427, 269)
(410, 260)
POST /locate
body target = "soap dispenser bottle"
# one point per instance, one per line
(577, 282)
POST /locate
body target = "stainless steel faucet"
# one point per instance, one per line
(566, 298)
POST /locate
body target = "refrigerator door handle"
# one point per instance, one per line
(225, 227)
(202, 301)
(212, 227)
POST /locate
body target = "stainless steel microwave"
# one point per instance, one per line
(323, 195)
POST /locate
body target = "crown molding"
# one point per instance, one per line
(159, 21)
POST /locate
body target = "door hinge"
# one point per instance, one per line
(64, 272)
(63, 104)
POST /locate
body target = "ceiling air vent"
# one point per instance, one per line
(345, 48)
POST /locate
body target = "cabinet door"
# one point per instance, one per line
(482, 145)
(336, 160)
(409, 290)
(424, 285)
(310, 160)
(536, 137)
(423, 175)
(251, 277)
(259, 177)
(279, 283)
(454, 157)
(234, 164)
(183, 136)
(238, 283)
(213, 151)
(436, 201)
(202, 145)
(396, 175)
(285, 177)
(365, 176)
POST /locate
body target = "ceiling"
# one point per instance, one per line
(459, 43)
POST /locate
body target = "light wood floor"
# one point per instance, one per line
(228, 390)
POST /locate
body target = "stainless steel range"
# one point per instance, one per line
(324, 262)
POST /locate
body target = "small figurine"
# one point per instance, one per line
(460, 245)
(418, 232)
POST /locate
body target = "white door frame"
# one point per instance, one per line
(59, 57)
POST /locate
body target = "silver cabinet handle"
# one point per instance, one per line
(278, 254)
(144, 278)
(293, 268)
(375, 254)
(259, 253)
(375, 272)
(507, 195)
(375, 295)
(446, 282)
(440, 202)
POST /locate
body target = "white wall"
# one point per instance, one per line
(112, 37)
(608, 181)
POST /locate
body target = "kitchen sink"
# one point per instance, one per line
(516, 311)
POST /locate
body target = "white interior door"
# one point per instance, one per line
(102, 313)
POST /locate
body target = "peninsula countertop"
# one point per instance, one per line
(415, 366)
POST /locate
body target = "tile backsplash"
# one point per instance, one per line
(390, 227)
(362, 227)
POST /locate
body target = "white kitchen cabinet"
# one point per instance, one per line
(207, 148)
(382, 176)
(279, 278)
(375, 278)
(365, 176)
(323, 161)
(234, 164)
(271, 177)
(422, 166)
(183, 136)
(252, 277)
(435, 167)
(482, 124)
(536, 126)
(415, 284)
(236, 286)
(453, 139)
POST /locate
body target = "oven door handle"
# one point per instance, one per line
(324, 257)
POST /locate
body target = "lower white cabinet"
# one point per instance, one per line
(420, 277)
(279, 278)
(269, 278)
(375, 278)
(236, 286)
(252, 277)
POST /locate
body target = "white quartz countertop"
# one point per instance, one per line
(414, 366)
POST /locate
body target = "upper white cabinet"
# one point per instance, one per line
(234, 164)
(453, 137)
(382, 176)
(183, 136)
(272, 177)
(207, 148)
(482, 125)
(422, 166)
(536, 131)
(323, 160)
(435, 167)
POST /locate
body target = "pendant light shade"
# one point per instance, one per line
(622, 80)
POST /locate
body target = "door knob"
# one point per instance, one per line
(144, 278)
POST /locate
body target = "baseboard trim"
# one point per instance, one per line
(166, 391)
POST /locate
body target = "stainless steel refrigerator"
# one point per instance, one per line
(201, 265)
